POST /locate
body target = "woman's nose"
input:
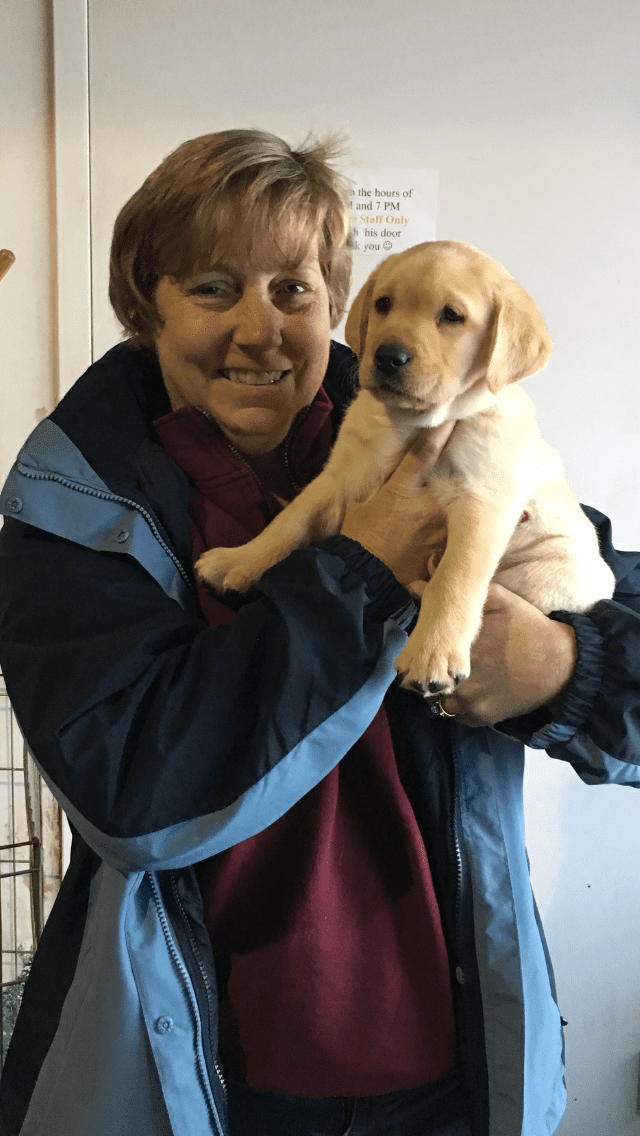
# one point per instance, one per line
(258, 321)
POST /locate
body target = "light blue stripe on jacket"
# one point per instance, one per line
(521, 1019)
(53, 487)
(264, 802)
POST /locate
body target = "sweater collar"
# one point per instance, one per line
(201, 449)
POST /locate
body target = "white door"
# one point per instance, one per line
(529, 113)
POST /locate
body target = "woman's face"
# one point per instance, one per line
(246, 342)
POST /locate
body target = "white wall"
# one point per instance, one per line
(26, 323)
(529, 112)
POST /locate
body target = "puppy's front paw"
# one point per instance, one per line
(227, 570)
(428, 665)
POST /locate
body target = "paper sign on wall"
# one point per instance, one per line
(392, 209)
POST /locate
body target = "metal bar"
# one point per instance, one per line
(12, 875)
(22, 853)
(33, 804)
(14, 893)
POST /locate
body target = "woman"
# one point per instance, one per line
(297, 901)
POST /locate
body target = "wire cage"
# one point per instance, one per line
(30, 863)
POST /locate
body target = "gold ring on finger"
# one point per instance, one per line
(442, 713)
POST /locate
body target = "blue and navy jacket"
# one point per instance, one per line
(167, 741)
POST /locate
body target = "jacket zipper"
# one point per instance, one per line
(205, 981)
(464, 973)
(91, 492)
(285, 457)
(202, 1072)
(266, 497)
(458, 857)
(287, 447)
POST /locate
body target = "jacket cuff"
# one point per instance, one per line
(389, 599)
(542, 727)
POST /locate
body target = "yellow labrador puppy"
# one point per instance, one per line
(442, 332)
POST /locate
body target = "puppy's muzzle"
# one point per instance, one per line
(390, 363)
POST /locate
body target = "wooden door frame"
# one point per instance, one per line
(72, 189)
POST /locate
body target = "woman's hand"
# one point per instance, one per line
(521, 660)
(398, 524)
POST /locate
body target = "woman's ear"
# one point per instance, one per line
(355, 331)
(520, 343)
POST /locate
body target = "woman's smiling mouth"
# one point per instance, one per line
(252, 378)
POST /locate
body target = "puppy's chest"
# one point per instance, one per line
(497, 457)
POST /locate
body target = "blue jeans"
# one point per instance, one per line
(429, 1110)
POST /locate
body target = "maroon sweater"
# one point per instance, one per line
(325, 926)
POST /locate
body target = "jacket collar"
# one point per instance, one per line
(201, 449)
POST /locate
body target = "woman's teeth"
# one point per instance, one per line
(252, 378)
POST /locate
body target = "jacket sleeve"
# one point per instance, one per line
(167, 740)
(598, 727)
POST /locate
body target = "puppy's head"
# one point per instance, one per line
(441, 320)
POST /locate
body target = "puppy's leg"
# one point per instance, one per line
(365, 449)
(312, 516)
(436, 656)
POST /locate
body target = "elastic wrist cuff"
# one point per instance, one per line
(389, 599)
(540, 729)
(587, 677)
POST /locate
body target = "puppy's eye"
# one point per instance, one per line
(383, 304)
(449, 315)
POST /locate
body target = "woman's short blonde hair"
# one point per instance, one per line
(243, 181)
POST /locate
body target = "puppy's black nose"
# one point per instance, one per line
(391, 358)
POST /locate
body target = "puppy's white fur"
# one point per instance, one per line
(509, 512)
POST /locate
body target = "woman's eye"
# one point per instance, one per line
(450, 315)
(209, 290)
(293, 288)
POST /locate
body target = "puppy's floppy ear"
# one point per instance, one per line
(355, 331)
(520, 343)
